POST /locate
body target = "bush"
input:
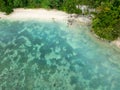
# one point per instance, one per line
(106, 23)
(8, 10)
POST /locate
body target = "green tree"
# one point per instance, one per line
(2, 5)
(105, 23)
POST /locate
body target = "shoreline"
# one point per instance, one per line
(34, 14)
(116, 43)
(44, 15)
(50, 16)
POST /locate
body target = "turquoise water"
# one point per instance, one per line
(51, 56)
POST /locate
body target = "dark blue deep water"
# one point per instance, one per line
(51, 56)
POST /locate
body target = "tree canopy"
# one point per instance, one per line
(107, 21)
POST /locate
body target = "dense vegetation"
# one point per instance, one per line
(107, 17)
(66, 5)
(106, 23)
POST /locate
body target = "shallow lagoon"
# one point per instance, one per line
(51, 56)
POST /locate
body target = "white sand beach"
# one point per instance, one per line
(116, 42)
(42, 14)
(35, 14)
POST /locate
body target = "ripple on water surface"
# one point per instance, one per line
(50, 56)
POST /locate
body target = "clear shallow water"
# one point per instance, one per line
(51, 56)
